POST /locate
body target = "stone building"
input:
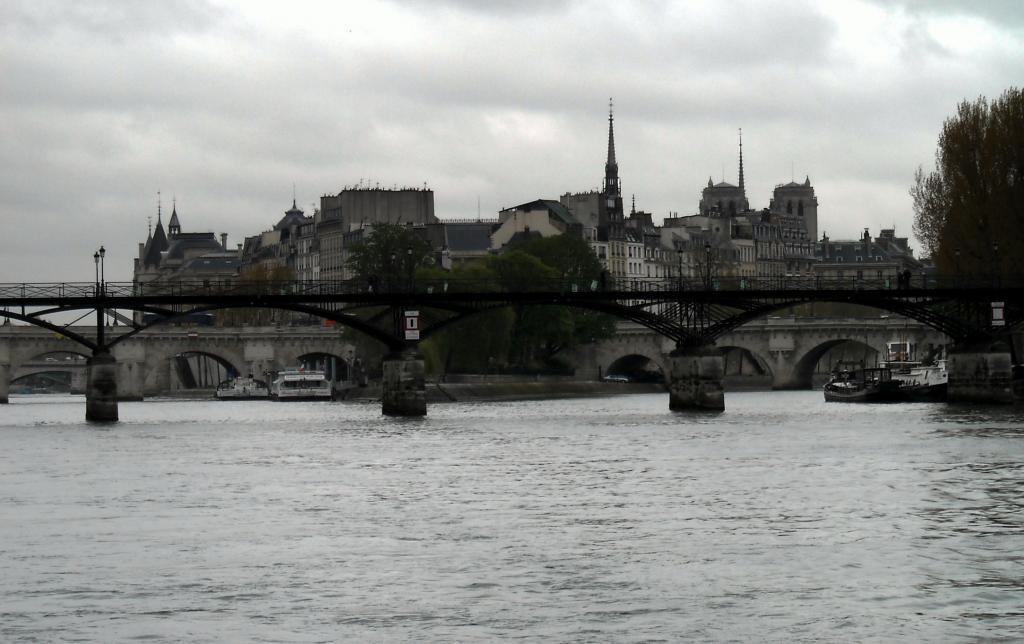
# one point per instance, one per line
(176, 255)
(881, 259)
(286, 251)
(356, 208)
(602, 218)
(542, 217)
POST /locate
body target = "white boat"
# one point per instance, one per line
(301, 384)
(918, 381)
(247, 388)
(921, 382)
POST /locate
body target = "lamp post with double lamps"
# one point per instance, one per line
(956, 266)
(995, 264)
(101, 288)
(707, 265)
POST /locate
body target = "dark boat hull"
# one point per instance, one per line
(885, 392)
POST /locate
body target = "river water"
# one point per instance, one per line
(583, 520)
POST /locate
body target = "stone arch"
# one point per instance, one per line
(161, 373)
(743, 367)
(197, 369)
(637, 367)
(65, 366)
(803, 374)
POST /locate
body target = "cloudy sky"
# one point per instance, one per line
(226, 105)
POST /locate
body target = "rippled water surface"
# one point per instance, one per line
(783, 519)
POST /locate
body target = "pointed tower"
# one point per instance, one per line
(741, 186)
(157, 243)
(612, 186)
(174, 226)
(611, 166)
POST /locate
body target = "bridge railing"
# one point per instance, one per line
(319, 288)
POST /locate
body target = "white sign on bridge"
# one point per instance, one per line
(412, 325)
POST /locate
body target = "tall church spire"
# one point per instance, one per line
(741, 161)
(611, 167)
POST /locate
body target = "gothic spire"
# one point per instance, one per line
(611, 137)
(611, 168)
(741, 161)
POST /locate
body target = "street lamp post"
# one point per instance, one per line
(707, 265)
(391, 272)
(995, 264)
(103, 278)
(97, 260)
(409, 268)
(956, 266)
(679, 251)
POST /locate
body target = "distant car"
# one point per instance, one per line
(614, 377)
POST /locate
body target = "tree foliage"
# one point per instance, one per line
(974, 199)
(388, 255)
(519, 337)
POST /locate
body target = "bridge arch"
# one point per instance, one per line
(741, 361)
(637, 367)
(65, 368)
(199, 369)
(836, 350)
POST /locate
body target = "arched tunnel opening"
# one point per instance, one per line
(54, 372)
(634, 368)
(817, 366)
(201, 370)
(742, 369)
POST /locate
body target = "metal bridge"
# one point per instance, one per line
(691, 312)
(975, 314)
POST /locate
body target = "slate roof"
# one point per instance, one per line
(207, 264)
(192, 241)
(156, 245)
(468, 236)
(292, 216)
(553, 207)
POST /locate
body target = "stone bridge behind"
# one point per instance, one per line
(145, 362)
(786, 348)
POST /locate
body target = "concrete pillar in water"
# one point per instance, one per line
(695, 379)
(101, 393)
(402, 388)
(980, 375)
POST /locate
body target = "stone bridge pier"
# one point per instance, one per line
(980, 374)
(695, 379)
(403, 389)
(101, 390)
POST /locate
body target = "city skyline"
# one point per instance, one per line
(224, 107)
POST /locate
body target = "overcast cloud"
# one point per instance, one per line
(225, 105)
